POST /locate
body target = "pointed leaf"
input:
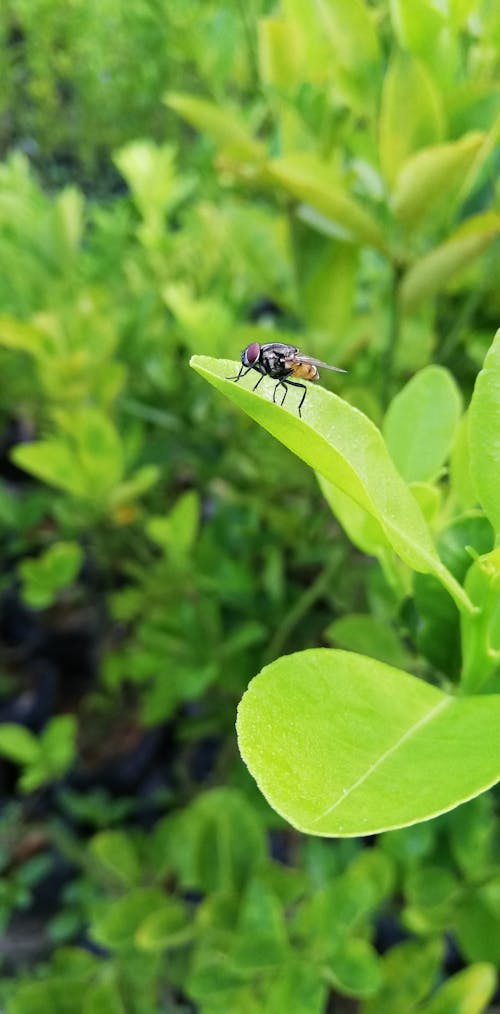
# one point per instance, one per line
(420, 423)
(484, 434)
(433, 271)
(312, 181)
(429, 177)
(347, 449)
(221, 123)
(411, 115)
(342, 745)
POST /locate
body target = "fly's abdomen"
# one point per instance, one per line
(305, 371)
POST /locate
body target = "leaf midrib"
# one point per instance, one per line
(411, 731)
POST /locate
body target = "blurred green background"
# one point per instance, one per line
(183, 178)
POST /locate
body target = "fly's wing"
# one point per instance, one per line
(280, 349)
(300, 358)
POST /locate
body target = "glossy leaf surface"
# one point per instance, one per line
(343, 745)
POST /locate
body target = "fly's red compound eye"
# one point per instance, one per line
(250, 355)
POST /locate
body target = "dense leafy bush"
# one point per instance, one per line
(338, 192)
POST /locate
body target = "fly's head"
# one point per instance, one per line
(251, 355)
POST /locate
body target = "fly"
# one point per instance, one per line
(284, 363)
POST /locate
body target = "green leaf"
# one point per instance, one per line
(102, 998)
(476, 925)
(297, 988)
(118, 923)
(411, 114)
(347, 449)
(167, 927)
(43, 578)
(313, 182)
(355, 969)
(434, 270)
(467, 992)
(51, 461)
(367, 635)
(176, 533)
(281, 53)
(351, 32)
(415, 23)
(420, 423)
(410, 970)
(18, 744)
(484, 434)
(116, 852)
(430, 177)
(221, 123)
(58, 745)
(342, 745)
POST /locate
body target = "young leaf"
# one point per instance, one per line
(351, 31)
(342, 745)
(222, 124)
(420, 423)
(411, 115)
(312, 182)
(429, 177)
(484, 434)
(18, 744)
(347, 449)
(432, 272)
(467, 992)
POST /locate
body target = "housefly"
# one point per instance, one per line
(284, 363)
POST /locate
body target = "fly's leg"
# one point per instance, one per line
(295, 384)
(240, 374)
(254, 388)
(279, 384)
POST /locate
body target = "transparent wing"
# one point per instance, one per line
(300, 358)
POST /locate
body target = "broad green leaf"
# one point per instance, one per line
(484, 434)
(420, 423)
(347, 449)
(367, 635)
(312, 181)
(221, 123)
(430, 176)
(467, 992)
(411, 115)
(343, 745)
(434, 270)
(18, 744)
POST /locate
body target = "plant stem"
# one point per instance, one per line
(389, 354)
(303, 605)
